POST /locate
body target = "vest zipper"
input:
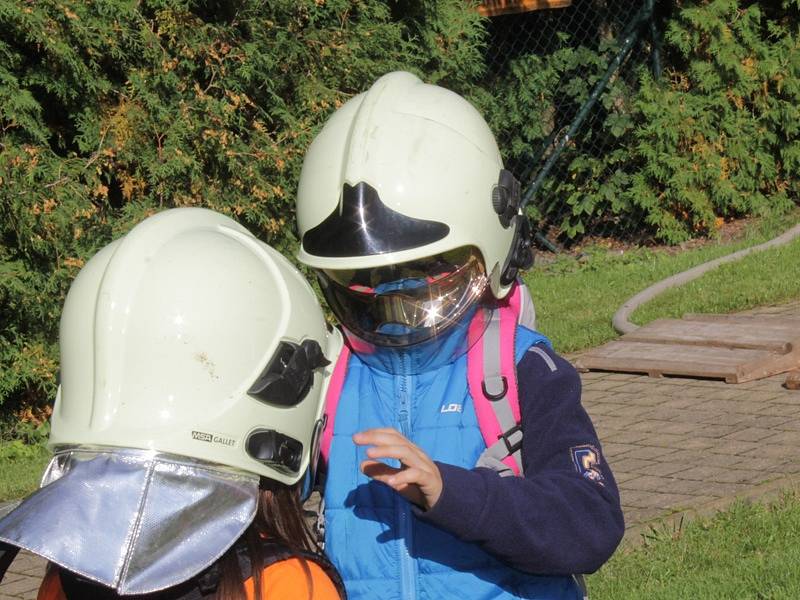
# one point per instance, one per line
(408, 581)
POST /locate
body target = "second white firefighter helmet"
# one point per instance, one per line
(193, 363)
(190, 336)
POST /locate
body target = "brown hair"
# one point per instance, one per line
(279, 519)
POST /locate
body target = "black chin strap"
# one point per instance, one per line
(7, 555)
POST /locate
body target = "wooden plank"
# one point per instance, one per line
(792, 381)
(750, 334)
(772, 320)
(736, 348)
(672, 359)
(766, 366)
(494, 8)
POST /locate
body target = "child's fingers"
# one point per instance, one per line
(378, 470)
(406, 454)
(383, 430)
(378, 436)
(391, 441)
(409, 484)
(419, 480)
(399, 479)
(402, 481)
(411, 476)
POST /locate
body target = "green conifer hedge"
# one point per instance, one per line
(113, 110)
(716, 137)
(110, 111)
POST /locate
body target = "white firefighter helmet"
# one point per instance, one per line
(190, 336)
(403, 173)
(193, 363)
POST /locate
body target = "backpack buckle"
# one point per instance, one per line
(497, 387)
(506, 437)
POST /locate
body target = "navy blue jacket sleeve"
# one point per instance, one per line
(564, 515)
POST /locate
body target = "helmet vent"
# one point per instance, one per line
(288, 376)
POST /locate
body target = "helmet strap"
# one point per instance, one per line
(309, 479)
(520, 255)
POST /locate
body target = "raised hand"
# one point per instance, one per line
(418, 479)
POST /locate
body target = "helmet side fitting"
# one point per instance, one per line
(428, 156)
(507, 203)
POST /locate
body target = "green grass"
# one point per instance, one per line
(764, 278)
(747, 552)
(22, 467)
(576, 298)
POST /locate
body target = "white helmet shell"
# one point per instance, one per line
(164, 333)
(423, 162)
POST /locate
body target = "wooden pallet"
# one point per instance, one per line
(736, 348)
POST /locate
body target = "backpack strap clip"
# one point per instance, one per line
(495, 387)
(512, 447)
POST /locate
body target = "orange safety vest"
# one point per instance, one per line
(285, 579)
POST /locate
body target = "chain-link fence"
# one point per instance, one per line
(565, 79)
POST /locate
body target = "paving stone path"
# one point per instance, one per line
(677, 447)
(681, 446)
(23, 578)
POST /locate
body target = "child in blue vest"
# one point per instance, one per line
(461, 463)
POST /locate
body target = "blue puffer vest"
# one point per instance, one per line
(380, 548)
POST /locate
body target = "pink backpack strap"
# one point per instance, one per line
(492, 378)
(332, 400)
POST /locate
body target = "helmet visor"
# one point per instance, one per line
(407, 303)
